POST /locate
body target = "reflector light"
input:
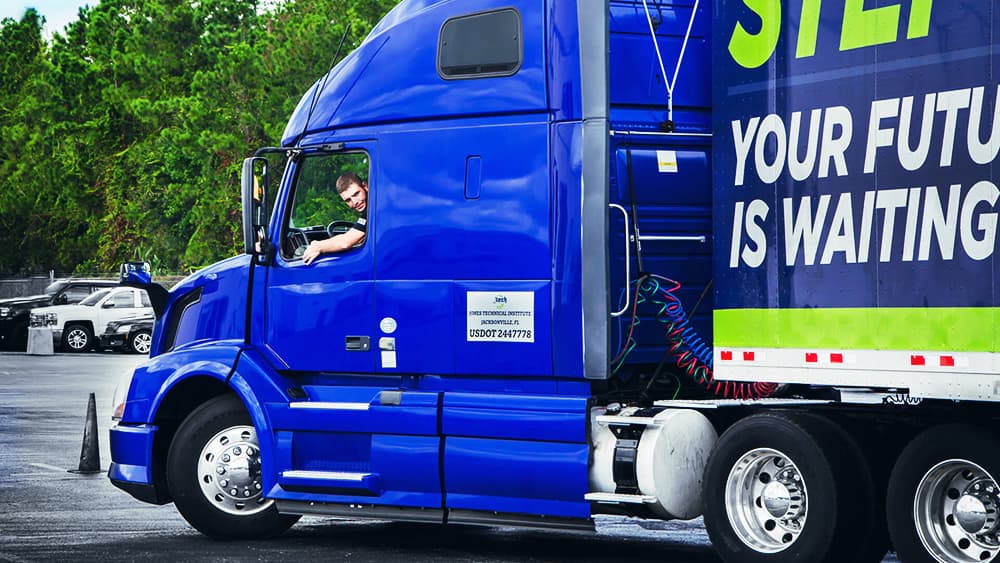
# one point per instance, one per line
(948, 361)
(727, 355)
(917, 360)
(836, 358)
(747, 356)
(812, 357)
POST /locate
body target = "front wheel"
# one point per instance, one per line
(944, 498)
(77, 338)
(213, 471)
(790, 488)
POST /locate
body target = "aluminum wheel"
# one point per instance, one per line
(766, 500)
(77, 338)
(229, 471)
(955, 511)
(142, 342)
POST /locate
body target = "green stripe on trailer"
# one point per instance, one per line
(962, 329)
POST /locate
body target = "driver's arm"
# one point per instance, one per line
(337, 243)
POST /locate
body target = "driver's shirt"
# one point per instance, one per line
(361, 224)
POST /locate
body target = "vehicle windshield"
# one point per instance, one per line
(93, 298)
(54, 287)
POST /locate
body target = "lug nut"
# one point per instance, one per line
(225, 458)
(224, 483)
(237, 450)
(250, 451)
(220, 470)
(234, 492)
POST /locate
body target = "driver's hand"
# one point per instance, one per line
(312, 252)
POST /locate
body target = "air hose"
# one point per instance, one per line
(692, 355)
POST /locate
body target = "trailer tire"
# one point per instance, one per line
(215, 443)
(935, 510)
(791, 487)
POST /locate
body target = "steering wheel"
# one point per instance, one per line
(339, 227)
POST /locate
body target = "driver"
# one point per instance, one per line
(354, 191)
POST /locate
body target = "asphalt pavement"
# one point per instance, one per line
(50, 514)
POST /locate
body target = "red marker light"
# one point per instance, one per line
(812, 357)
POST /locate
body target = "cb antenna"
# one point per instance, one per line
(315, 97)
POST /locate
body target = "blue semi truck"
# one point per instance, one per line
(650, 258)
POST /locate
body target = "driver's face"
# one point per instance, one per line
(356, 197)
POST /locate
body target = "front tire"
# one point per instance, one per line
(790, 488)
(944, 499)
(77, 338)
(213, 471)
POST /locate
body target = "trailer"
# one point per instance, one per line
(660, 259)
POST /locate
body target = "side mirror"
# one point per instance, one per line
(61, 300)
(108, 305)
(137, 274)
(253, 183)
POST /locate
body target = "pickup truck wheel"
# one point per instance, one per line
(214, 475)
(141, 342)
(77, 338)
(944, 498)
(783, 488)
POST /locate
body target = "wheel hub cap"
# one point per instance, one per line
(229, 471)
(970, 512)
(766, 500)
(776, 499)
(955, 511)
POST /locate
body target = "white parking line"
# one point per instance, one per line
(11, 558)
(49, 467)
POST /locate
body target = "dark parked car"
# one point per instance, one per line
(14, 311)
(131, 335)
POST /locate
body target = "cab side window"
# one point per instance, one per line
(319, 210)
(124, 300)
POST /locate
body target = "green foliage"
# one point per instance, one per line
(125, 132)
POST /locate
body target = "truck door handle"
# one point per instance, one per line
(357, 343)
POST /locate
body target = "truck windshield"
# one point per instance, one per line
(93, 298)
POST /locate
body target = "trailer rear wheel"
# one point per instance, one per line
(790, 488)
(213, 471)
(944, 497)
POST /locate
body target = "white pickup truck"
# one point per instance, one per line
(74, 326)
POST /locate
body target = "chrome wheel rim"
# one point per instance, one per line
(955, 511)
(766, 500)
(229, 472)
(77, 339)
(142, 342)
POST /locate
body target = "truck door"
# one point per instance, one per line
(320, 316)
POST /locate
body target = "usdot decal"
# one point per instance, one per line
(500, 316)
